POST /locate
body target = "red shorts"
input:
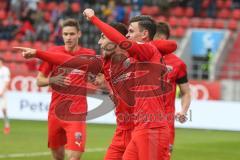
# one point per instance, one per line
(119, 144)
(148, 144)
(72, 135)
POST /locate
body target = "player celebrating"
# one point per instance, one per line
(64, 132)
(150, 136)
(177, 75)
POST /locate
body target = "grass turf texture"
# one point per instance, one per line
(31, 137)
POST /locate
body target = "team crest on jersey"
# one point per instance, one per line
(127, 63)
(169, 68)
(78, 136)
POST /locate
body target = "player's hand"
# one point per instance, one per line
(99, 80)
(27, 52)
(88, 13)
(60, 80)
(181, 117)
(91, 77)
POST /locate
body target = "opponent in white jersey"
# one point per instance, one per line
(4, 81)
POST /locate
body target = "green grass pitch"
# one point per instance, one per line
(28, 141)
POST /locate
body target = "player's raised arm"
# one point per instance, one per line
(110, 32)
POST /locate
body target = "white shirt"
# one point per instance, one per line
(4, 77)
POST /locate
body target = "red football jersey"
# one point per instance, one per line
(139, 91)
(79, 102)
(177, 74)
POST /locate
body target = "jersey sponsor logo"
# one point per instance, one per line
(169, 68)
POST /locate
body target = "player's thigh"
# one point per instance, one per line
(131, 152)
(113, 153)
(76, 136)
(153, 144)
(118, 145)
(56, 134)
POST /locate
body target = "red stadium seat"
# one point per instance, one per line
(224, 13)
(173, 22)
(236, 14)
(22, 68)
(180, 31)
(206, 23)
(13, 67)
(232, 24)
(189, 12)
(47, 16)
(177, 11)
(38, 45)
(19, 58)
(185, 22)
(3, 14)
(3, 45)
(220, 4)
(150, 10)
(195, 22)
(62, 7)
(51, 6)
(14, 43)
(27, 44)
(155, 10)
(41, 5)
(8, 56)
(161, 19)
(146, 10)
(205, 4)
(228, 4)
(75, 7)
(219, 23)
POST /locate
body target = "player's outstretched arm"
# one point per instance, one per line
(51, 57)
(94, 64)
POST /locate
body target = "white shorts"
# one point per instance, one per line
(3, 102)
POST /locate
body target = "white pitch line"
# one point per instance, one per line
(37, 154)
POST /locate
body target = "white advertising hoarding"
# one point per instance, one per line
(220, 115)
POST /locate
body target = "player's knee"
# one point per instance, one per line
(171, 148)
(74, 155)
(58, 154)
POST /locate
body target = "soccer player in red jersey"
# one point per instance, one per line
(150, 138)
(177, 76)
(64, 132)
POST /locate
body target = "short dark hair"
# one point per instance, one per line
(145, 22)
(163, 28)
(120, 27)
(72, 23)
